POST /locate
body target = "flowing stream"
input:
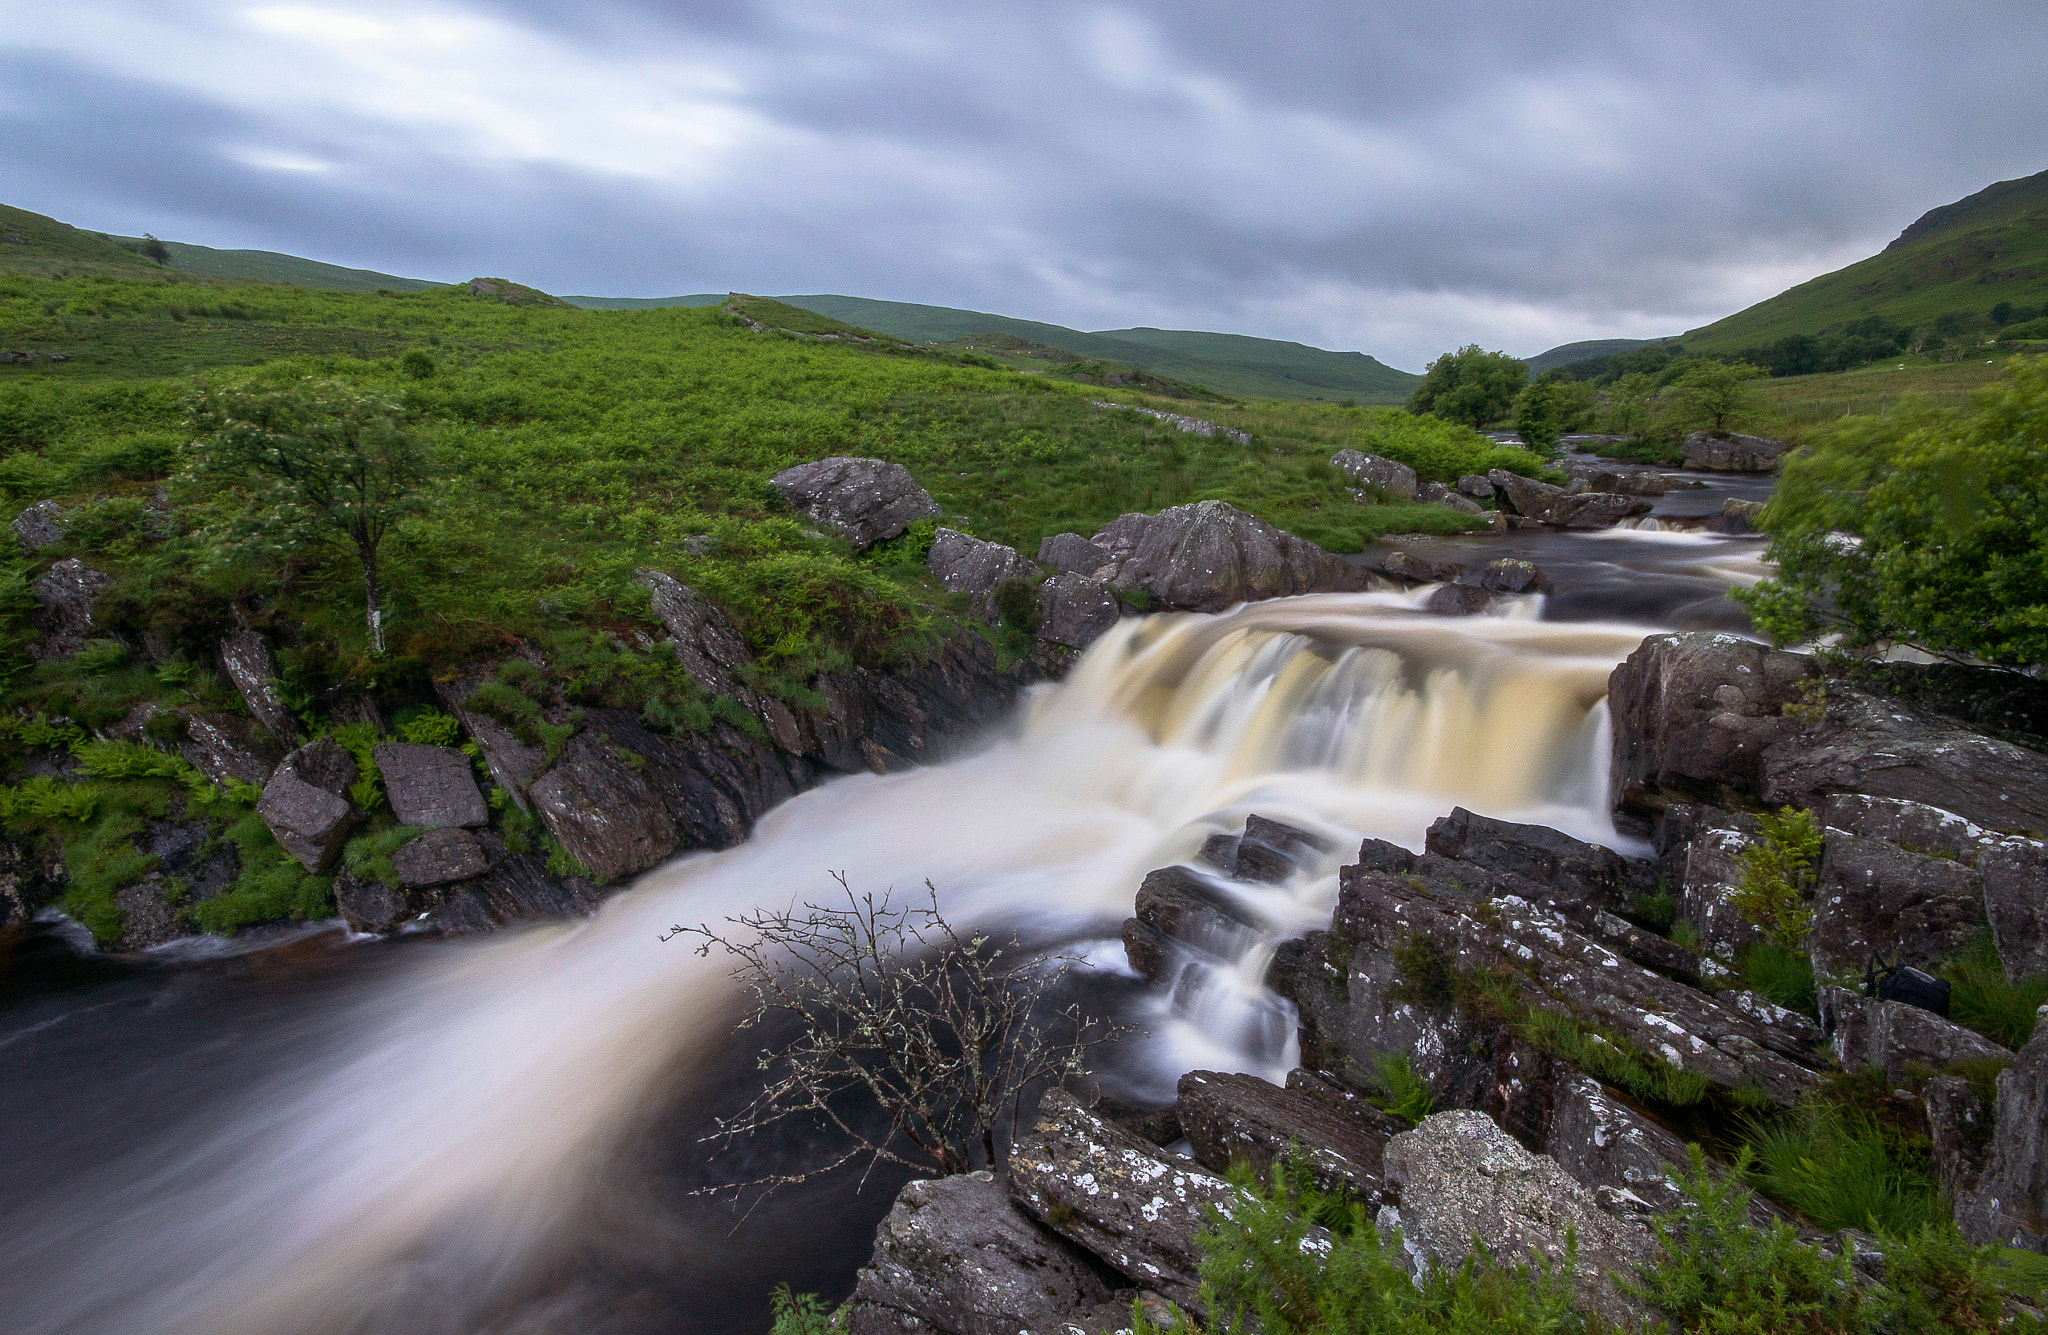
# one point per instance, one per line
(494, 1134)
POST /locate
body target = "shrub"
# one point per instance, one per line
(1778, 877)
(1016, 603)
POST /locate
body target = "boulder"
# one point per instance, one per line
(1732, 453)
(1597, 509)
(1072, 554)
(25, 883)
(1240, 1118)
(1876, 899)
(602, 813)
(1477, 487)
(1074, 610)
(68, 594)
(2009, 1203)
(1511, 575)
(440, 857)
(862, 500)
(708, 646)
(1416, 570)
(1864, 1031)
(371, 907)
(1116, 1196)
(303, 803)
(1738, 516)
(1566, 868)
(1460, 1181)
(246, 661)
(1525, 495)
(1462, 504)
(430, 785)
(2015, 873)
(1603, 1143)
(39, 526)
(1458, 600)
(227, 747)
(956, 1257)
(970, 566)
(1393, 480)
(1211, 555)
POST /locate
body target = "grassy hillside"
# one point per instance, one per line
(41, 247)
(645, 303)
(268, 266)
(1564, 354)
(1312, 373)
(1963, 257)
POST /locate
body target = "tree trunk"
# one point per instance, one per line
(372, 614)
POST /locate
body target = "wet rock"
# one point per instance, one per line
(1210, 555)
(246, 661)
(1075, 610)
(1617, 480)
(371, 907)
(2009, 1203)
(1116, 1196)
(1959, 1128)
(1272, 852)
(1072, 554)
(971, 566)
(1390, 478)
(2015, 873)
(1458, 600)
(1477, 487)
(1732, 453)
(226, 747)
(440, 857)
(304, 807)
(1401, 565)
(1181, 903)
(68, 595)
(40, 525)
(517, 888)
(1510, 575)
(601, 812)
(1864, 1031)
(862, 500)
(956, 1257)
(1241, 1118)
(1694, 714)
(708, 646)
(1461, 1182)
(430, 785)
(1876, 899)
(1598, 509)
(147, 919)
(1526, 496)
(1560, 508)
(1738, 516)
(1154, 1126)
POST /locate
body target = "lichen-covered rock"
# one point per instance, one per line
(304, 807)
(862, 500)
(1738, 516)
(513, 764)
(1240, 1118)
(147, 920)
(1414, 569)
(1959, 1129)
(1211, 555)
(1460, 1181)
(2015, 873)
(1732, 453)
(440, 857)
(1072, 554)
(246, 661)
(956, 1257)
(708, 646)
(971, 566)
(1913, 826)
(1597, 509)
(1477, 487)
(2009, 1203)
(1116, 1196)
(1566, 867)
(1866, 1032)
(227, 747)
(68, 594)
(604, 814)
(430, 785)
(1602, 1142)
(1393, 480)
(1877, 899)
(40, 525)
(1075, 610)
(1511, 575)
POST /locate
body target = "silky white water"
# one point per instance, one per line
(456, 1118)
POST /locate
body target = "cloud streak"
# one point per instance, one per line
(1379, 177)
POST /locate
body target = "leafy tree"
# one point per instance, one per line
(325, 463)
(1717, 397)
(1539, 416)
(1470, 386)
(1925, 528)
(1630, 409)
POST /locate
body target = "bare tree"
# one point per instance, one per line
(946, 1035)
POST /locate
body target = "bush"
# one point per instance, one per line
(1470, 386)
(1778, 878)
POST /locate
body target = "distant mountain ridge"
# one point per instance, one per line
(1564, 354)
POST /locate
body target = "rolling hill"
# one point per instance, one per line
(268, 266)
(41, 247)
(1564, 354)
(1962, 257)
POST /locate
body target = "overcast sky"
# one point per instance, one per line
(1395, 176)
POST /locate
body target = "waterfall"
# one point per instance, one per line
(447, 1124)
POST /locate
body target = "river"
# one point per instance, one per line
(500, 1134)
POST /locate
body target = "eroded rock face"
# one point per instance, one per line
(246, 661)
(862, 500)
(430, 785)
(971, 566)
(1075, 610)
(1732, 453)
(1864, 1031)
(1181, 904)
(1210, 556)
(1072, 554)
(708, 646)
(1602, 1142)
(1389, 477)
(1459, 1180)
(1566, 867)
(601, 812)
(956, 1257)
(440, 857)
(1240, 1118)
(2009, 1203)
(2015, 873)
(1959, 1126)
(1877, 899)
(68, 595)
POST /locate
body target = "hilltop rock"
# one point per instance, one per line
(1211, 555)
(1075, 610)
(1732, 453)
(513, 294)
(1390, 478)
(1072, 554)
(862, 500)
(69, 593)
(974, 567)
(430, 785)
(40, 525)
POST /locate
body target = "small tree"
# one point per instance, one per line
(948, 1036)
(1470, 386)
(1778, 877)
(1539, 417)
(1629, 409)
(326, 463)
(1717, 397)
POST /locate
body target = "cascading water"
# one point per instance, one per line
(407, 1172)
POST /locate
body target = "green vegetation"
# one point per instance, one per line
(803, 1314)
(1778, 878)
(1920, 528)
(1717, 397)
(1402, 1093)
(1470, 385)
(1845, 1159)
(1982, 998)
(268, 266)
(1784, 976)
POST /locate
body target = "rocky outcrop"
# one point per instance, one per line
(304, 806)
(245, 660)
(1388, 478)
(2015, 871)
(440, 857)
(1440, 493)
(973, 567)
(601, 811)
(709, 646)
(862, 500)
(1878, 900)
(1560, 508)
(40, 525)
(227, 747)
(1732, 453)
(1075, 610)
(1416, 570)
(1230, 1119)
(67, 596)
(1475, 486)
(1866, 1032)
(430, 785)
(2009, 1202)
(1211, 555)
(1703, 848)
(1072, 554)
(1459, 1181)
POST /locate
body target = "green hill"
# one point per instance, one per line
(1564, 354)
(1958, 261)
(268, 266)
(40, 247)
(645, 303)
